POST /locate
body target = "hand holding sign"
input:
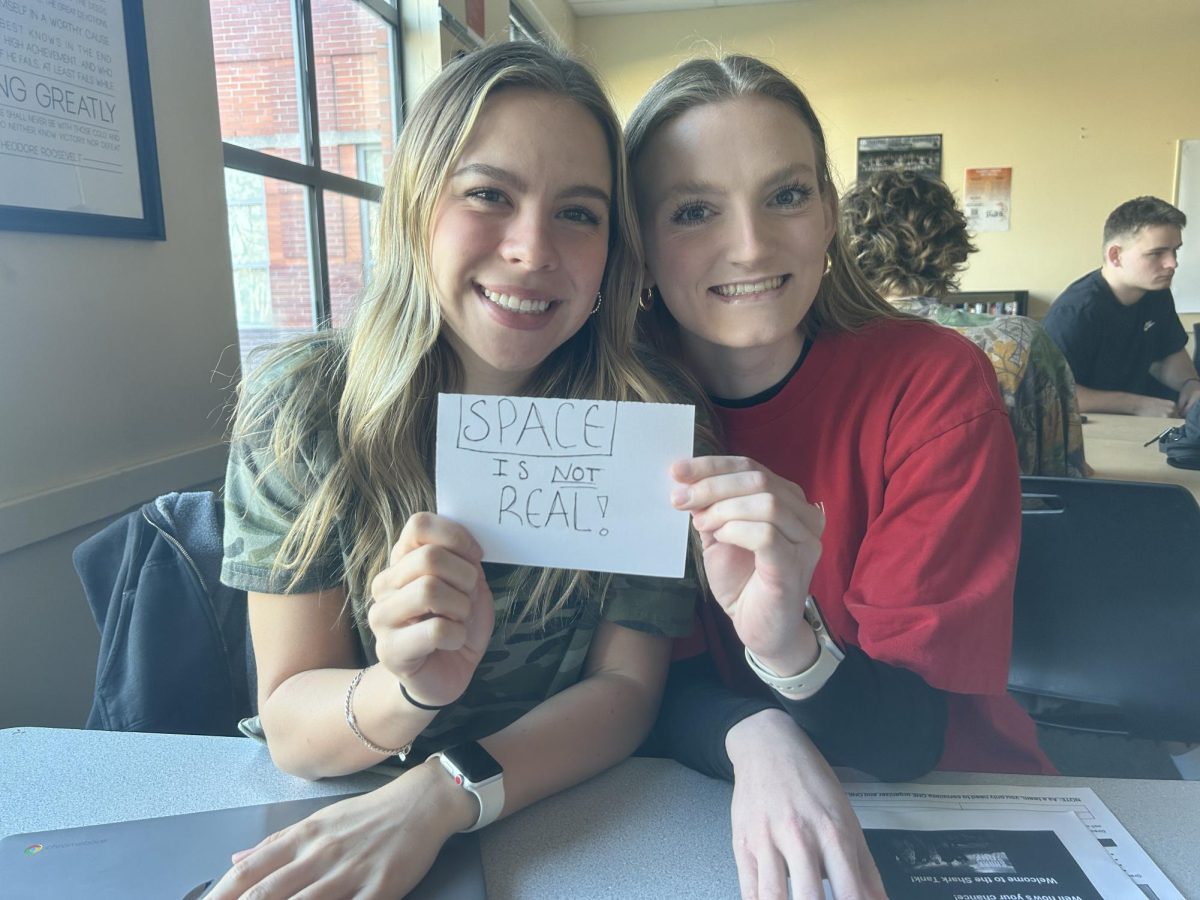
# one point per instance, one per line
(762, 542)
(432, 613)
(581, 484)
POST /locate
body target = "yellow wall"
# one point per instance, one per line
(553, 16)
(1085, 99)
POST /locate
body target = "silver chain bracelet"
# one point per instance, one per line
(402, 753)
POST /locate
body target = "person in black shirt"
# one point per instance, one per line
(1117, 326)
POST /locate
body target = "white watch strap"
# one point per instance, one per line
(804, 684)
(491, 802)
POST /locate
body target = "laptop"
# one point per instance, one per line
(182, 857)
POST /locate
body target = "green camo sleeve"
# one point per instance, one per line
(260, 506)
(662, 606)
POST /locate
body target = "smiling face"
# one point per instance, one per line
(1147, 261)
(520, 235)
(736, 231)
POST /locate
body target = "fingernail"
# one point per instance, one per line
(681, 496)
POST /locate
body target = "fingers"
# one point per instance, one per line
(429, 528)
(747, 868)
(843, 873)
(426, 594)
(689, 471)
(429, 559)
(773, 879)
(428, 599)
(796, 524)
(269, 868)
(849, 868)
(763, 873)
(429, 575)
(868, 872)
(805, 870)
(720, 489)
(403, 649)
(850, 874)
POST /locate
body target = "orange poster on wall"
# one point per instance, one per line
(987, 198)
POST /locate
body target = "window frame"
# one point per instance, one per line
(521, 27)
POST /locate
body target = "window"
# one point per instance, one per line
(246, 200)
(309, 94)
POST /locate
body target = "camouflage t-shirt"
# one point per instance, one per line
(524, 664)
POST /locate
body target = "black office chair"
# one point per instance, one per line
(1107, 607)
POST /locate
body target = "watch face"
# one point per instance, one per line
(474, 762)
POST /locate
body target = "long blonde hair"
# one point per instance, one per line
(845, 300)
(375, 383)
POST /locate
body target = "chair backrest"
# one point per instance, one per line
(1107, 606)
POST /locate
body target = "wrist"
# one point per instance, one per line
(358, 691)
(457, 809)
(788, 661)
(746, 739)
(806, 682)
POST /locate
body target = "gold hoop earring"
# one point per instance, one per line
(828, 264)
(646, 299)
(599, 300)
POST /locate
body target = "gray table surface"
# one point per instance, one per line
(648, 828)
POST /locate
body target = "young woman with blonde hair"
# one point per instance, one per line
(861, 546)
(506, 264)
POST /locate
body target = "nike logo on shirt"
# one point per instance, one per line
(1148, 325)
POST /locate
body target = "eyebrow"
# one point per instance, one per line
(515, 181)
(693, 186)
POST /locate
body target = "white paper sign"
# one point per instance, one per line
(575, 484)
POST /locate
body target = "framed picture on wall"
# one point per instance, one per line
(908, 152)
(77, 142)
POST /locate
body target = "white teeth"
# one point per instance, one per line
(516, 304)
(752, 287)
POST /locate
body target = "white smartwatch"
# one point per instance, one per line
(804, 684)
(476, 770)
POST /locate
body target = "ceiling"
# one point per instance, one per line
(624, 7)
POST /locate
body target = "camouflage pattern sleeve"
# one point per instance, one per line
(260, 505)
(662, 606)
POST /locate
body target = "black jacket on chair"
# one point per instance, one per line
(175, 652)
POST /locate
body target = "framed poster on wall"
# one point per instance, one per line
(77, 144)
(908, 152)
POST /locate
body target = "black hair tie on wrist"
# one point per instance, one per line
(417, 703)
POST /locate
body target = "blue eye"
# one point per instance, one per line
(792, 195)
(487, 195)
(690, 214)
(581, 215)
